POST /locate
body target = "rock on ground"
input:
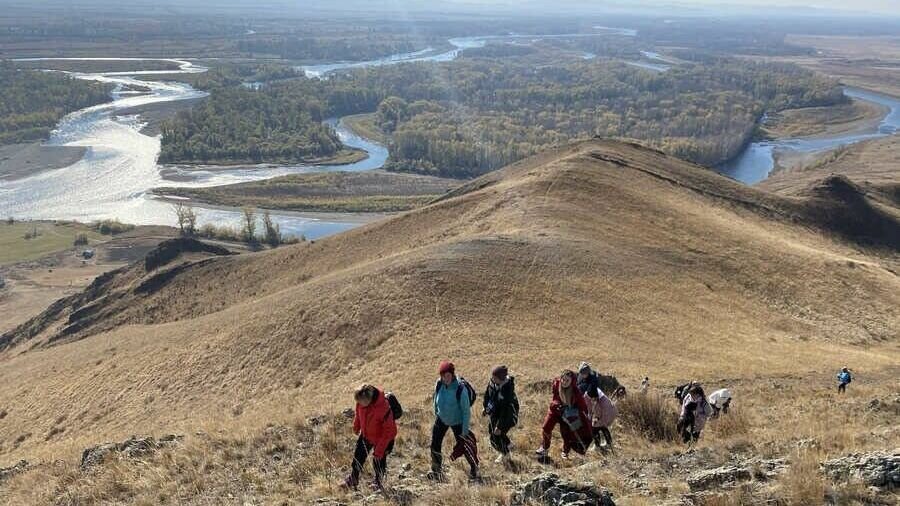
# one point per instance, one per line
(132, 447)
(550, 489)
(9, 472)
(877, 469)
(733, 474)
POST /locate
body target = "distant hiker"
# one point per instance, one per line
(568, 409)
(694, 412)
(374, 424)
(502, 406)
(844, 378)
(453, 399)
(720, 400)
(645, 384)
(601, 409)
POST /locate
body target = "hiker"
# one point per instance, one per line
(568, 409)
(694, 412)
(502, 406)
(374, 424)
(453, 399)
(645, 385)
(720, 400)
(844, 378)
(601, 409)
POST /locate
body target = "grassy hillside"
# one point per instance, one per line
(634, 260)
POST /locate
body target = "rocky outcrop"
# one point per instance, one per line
(550, 489)
(133, 447)
(877, 469)
(728, 476)
(9, 472)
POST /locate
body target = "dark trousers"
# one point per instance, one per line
(602, 431)
(465, 445)
(842, 387)
(363, 448)
(499, 442)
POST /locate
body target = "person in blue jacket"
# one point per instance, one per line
(453, 399)
(844, 378)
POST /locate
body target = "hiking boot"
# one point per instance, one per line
(376, 486)
(350, 483)
(564, 455)
(502, 458)
(434, 475)
(541, 452)
(474, 477)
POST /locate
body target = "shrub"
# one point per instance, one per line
(650, 416)
(111, 227)
(81, 240)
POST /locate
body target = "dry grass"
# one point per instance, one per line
(640, 265)
(649, 415)
(803, 484)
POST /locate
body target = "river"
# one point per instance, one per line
(119, 169)
(757, 161)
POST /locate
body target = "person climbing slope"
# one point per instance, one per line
(453, 399)
(695, 411)
(844, 378)
(501, 405)
(601, 409)
(569, 410)
(720, 400)
(374, 424)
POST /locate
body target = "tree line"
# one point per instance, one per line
(469, 116)
(32, 102)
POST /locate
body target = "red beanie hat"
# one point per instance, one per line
(446, 366)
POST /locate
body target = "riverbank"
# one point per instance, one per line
(373, 191)
(19, 161)
(154, 114)
(854, 117)
(364, 126)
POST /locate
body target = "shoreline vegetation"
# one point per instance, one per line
(373, 191)
(32, 102)
(345, 156)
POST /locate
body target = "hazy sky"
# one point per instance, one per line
(874, 6)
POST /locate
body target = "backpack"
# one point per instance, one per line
(462, 384)
(394, 403)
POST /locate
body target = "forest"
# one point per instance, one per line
(471, 116)
(481, 112)
(32, 103)
(278, 123)
(366, 46)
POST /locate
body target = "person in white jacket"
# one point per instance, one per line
(720, 400)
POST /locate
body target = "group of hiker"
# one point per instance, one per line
(578, 406)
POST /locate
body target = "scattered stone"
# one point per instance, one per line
(9, 472)
(808, 444)
(132, 447)
(731, 475)
(718, 477)
(550, 489)
(877, 469)
(315, 421)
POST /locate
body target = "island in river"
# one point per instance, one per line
(373, 191)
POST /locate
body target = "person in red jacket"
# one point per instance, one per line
(375, 426)
(568, 409)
